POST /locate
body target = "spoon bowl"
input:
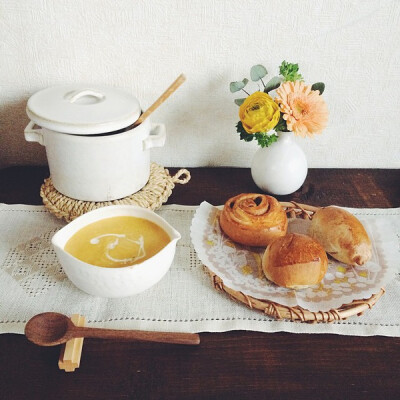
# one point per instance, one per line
(48, 329)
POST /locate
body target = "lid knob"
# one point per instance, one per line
(74, 96)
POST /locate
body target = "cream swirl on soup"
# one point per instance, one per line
(117, 242)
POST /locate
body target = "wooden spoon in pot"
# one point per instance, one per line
(50, 329)
(178, 82)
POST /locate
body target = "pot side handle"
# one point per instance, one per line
(33, 135)
(156, 138)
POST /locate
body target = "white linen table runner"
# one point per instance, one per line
(32, 281)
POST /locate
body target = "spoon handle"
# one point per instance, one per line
(147, 336)
(171, 89)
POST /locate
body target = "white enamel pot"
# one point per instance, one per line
(93, 151)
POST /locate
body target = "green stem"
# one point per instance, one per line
(248, 94)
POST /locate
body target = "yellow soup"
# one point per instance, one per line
(117, 242)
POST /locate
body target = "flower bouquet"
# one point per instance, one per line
(283, 105)
(297, 107)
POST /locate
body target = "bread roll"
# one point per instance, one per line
(253, 219)
(295, 261)
(341, 235)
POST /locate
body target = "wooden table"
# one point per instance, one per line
(226, 365)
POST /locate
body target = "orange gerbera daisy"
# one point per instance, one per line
(304, 110)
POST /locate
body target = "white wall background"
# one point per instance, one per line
(352, 46)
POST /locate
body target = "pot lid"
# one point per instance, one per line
(83, 110)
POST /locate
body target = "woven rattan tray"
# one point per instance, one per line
(156, 192)
(279, 311)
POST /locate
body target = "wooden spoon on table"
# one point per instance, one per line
(50, 329)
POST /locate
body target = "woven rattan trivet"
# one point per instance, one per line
(279, 311)
(152, 195)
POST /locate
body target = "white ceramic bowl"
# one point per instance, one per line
(115, 282)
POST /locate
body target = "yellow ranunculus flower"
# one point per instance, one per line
(259, 113)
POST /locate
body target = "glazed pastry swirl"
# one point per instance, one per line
(253, 219)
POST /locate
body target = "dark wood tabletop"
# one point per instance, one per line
(234, 365)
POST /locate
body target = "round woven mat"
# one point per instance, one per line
(279, 311)
(152, 195)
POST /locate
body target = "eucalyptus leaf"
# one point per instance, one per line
(239, 102)
(274, 83)
(239, 85)
(318, 86)
(235, 86)
(257, 72)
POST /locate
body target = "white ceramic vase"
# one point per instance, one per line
(280, 168)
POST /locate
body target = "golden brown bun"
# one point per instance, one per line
(295, 261)
(253, 219)
(341, 235)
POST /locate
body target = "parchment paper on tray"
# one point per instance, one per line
(240, 266)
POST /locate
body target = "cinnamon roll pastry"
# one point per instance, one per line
(253, 219)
